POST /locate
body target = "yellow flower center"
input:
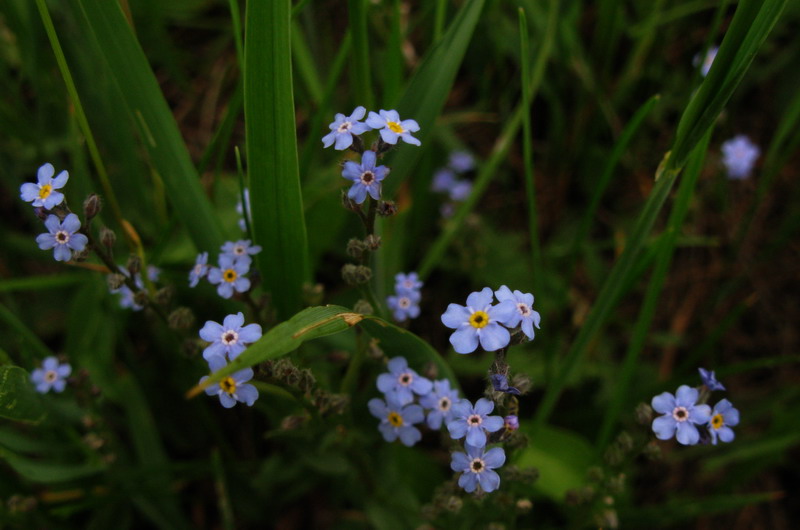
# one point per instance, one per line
(228, 385)
(717, 421)
(479, 319)
(229, 275)
(395, 419)
(45, 191)
(395, 127)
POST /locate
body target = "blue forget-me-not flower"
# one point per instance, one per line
(343, 128)
(397, 420)
(199, 270)
(365, 176)
(229, 338)
(723, 417)
(500, 384)
(392, 128)
(709, 379)
(440, 401)
(473, 422)
(401, 383)
(739, 156)
(229, 276)
(231, 388)
(477, 468)
(479, 322)
(461, 161)
(443, 180)
(51, 375)
(62, 237)
(404, 305)
(524, 314)
(409, 282)
(681, 414)
(44, 193)
(240, 250)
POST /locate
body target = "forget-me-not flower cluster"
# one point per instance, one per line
(344, 129)
(681, 414)
(445, 180)
(233, 263)
(483, 323)
(405, 302)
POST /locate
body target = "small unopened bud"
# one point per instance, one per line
(81, 256)
(355, 248)
(107, 237)
(115, 281)
(453, 504)
(181, 318)
(338, 403)
(607, 519)
(594, 474)
(644, 414)
(511, 422)
(616, 485)
(524, 505)
(291, 423)
(164, 295)
(349, 203)
(41, 213)
(652, 451)
(140, 298)
(307, 380)
(313, 294)
(430, 370)
(363, 307)
(134, 265)
(387, 208)
(91, 206)
(625, 441)
(356, 274)
(522, 382)
(373, 242)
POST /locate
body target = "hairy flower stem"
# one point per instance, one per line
(500, 366)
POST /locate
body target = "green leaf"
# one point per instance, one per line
(18, 399)
(48, 472)
(562, 458)
(311, 323)
(272, 167)
(141, 96)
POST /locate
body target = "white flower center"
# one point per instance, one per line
(62, 236)
(444, 404)
(474, 421)
(50, 376)
(229, 337)
(408, 284)
(405, 379)
(367, 178)
(198, 269)
(477, 465)
(344, 127)
(680, 414)
(239, 250)
(404, 302)
(523, 309)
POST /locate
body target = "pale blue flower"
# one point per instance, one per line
(392, 128)
(365, 176)
(479, 322)
(401, 383)
(523, 315)
(739, 155)
(461, 161)
(62, 237)
(231, 388)
(404, 305)
(440, 401)
(52, 375)
(240, 250)
(473, 422)
(460, 190)
(710, 380)
(407, 282)
(44, 193)
(680, 414)
(443, 180)
(229, 276)
(397, 421)
(230, 338)
(511, 422)
(500, 384)
(723, 417)
(199, 270)
(343, 128)
(476, 466)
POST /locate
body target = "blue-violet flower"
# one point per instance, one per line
(477, 468)
(62, 237)
(240, 250)
(407, 282)
(461, 161)
(681, 414)
(404, 305)
(397, 421)
(52, 374)
(401, 383)
(392, 128)
(524, 314)
(723, 417)
(473, 422)
(710, 380)
(365, 176)
(44, 193)
(739, 156)
(231, 388)
(343, 128)
(230, 276)
(230, 338)
(479, 321)
(440, 402)
(199, 270)
(500, 384)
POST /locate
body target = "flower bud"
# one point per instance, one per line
(356, 274)
(107, 237)
(181, 318)
(115, 281)
(140, 298)
(134, 265)
(291, 423)
(355, 248)
(387, 208)
(363, 307)
(511, 422)
(91, 206)
(644, 414)
(373, 242)
(164, 295)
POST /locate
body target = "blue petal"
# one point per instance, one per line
(211, 331)
(726, 434)
(687, 433)
(457, 429)
(493, 423)
(468, 481)
(71, 223)
(664, 427)
(343, 141)
(421, 386)
(664, 403)
(46, 241)
(77, 242)
(62, 253)
(409, 435)
(476, 437)
(247, 394)
(459, 462)
(494, 336)
(250, 333)
(480, 300)
(483, 407)
(455, 316)
(226, 400)
(233, 321)
(686, 396)
(489, 480)
(435, 420)
(378, 408)
(389, 433)
(413, 414)
(464, 340)
(494, 457)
